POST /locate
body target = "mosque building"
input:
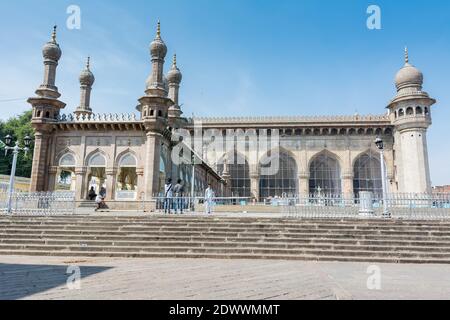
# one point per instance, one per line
(131, 156)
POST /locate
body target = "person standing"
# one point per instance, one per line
(179, 196)
(209, 199)
(168, 196)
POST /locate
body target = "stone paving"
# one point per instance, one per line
(40, 278)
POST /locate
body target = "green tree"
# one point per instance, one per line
(18, 127)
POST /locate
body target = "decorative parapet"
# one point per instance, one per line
(98, 118)
(291, 119)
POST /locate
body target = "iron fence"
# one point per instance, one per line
(400, 206)
(38, 203)
(196, 204)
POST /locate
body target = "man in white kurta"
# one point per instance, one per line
(209, 199)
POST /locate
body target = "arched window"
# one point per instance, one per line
(128, 160)
(367, 175)
(67, 161)
(409, 111)
(419, 110)
(126, 185)
(97, 160)
(427, 111)
(239, 171)
(65, 177)
(281, 182)
(160, 113)
(97, 176)
(325, 176)
(401, 113)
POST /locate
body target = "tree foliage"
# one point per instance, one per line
(18, 127)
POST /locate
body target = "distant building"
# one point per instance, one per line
(130, 156)
(441, 189)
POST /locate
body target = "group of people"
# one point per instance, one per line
(174, 197)
(99, 198)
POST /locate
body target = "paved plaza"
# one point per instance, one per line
(38, 278)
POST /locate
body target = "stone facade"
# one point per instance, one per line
(129, 157)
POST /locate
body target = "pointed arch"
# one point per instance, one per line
(239, 172)
(325, 174)
(283, 181)
(367, 173)
(127, 152)
(97, 152)
(63, 153)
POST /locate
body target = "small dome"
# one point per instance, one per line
(158, 48)
(51, 50)
(174, 75)
(87, 77)
(408, 75)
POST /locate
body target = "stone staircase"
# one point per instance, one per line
(372, 241)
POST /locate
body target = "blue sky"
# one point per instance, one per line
(238, 57)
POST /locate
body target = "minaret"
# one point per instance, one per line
(51, 53)
(155, 104)
(156, 82)
(410, 113)
(46, 109)
(174, 77)
(154, 108)
(87, 79)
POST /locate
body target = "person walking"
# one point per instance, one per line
(209, 199)
(168, 197)
(179, 196)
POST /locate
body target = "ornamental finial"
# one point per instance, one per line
(175, 60)
(158, 30)
(88, 63)
(54, 34)
(406, 55)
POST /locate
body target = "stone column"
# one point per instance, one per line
(52, 172)
(347, 185)
(80, 193)
(303, 184)
(39, 172)
(254, 186)
(152, 163)
(140, 183)
(111, 183)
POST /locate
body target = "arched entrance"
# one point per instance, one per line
(325, 176)
(283, 182)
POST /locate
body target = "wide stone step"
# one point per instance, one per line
(272, 223)
(329, 258)
(228, 235)
(227, 251)
(243, 229)
(196, 244)
(328, 223)
(209, 224)
(38, 239)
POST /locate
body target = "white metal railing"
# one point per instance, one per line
(400, 206)
(38, 203)
(103, 117)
